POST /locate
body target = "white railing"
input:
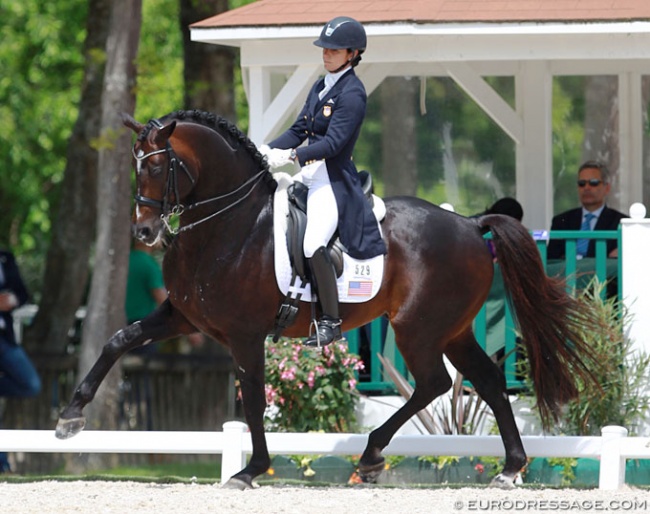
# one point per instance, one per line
(234, 443)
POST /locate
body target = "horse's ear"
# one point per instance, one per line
(131, 123)
(163, 135)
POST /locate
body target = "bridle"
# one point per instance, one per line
(165, 205)
(172, 182)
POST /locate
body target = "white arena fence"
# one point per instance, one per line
(613, 447)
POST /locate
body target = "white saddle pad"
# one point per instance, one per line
(360, 280)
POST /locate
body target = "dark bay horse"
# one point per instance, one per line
(219, 270)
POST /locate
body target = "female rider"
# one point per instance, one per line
(331, 120)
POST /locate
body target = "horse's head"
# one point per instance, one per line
(162, 179)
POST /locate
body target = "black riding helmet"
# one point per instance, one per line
(343, 32)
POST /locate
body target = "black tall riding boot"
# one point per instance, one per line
(324, 279)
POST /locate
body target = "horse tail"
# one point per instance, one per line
(551, 322)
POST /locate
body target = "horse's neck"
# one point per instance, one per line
(232, 230)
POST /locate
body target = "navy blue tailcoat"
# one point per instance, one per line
(332, 126)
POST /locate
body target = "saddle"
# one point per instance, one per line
(296, 225)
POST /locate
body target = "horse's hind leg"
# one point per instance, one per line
(155, 327)
(431, 380)
(470, 359)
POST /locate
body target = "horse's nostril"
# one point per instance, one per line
(142, 232)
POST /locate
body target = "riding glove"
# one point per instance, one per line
(278, 157)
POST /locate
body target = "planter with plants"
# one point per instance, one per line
(311, 391)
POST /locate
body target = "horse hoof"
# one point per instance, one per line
(502, 482)
(237, 484)
(67, 428)
(370, 474)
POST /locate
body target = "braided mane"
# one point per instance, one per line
(235, 137)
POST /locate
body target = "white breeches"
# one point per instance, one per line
(322, 212)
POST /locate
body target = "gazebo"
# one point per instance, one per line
(467, 40)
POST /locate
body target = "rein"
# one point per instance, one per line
(172, 187)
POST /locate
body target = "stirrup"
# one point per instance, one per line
(327, 331)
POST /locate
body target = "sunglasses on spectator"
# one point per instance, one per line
(593, 182)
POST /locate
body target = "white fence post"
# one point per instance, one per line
(612, 464)
(233, 458)
(635, 254)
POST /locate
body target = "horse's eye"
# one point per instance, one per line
(155, 170)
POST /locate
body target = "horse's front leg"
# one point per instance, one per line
(155, 327)
(249, 360)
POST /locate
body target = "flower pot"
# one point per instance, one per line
(336, 470)
(411, 470)
(467, 470)
(587, 473)
(539, 471)
(637, 472)
(283, 467)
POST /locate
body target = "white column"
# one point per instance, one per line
(630, 140)
(534, 94)
(258, 82)
(636, 279)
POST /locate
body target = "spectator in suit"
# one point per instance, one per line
(593, 188)
(18, 377)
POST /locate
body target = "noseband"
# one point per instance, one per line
(165, 206)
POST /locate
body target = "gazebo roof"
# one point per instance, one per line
(309, 12)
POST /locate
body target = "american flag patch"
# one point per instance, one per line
(360, 288)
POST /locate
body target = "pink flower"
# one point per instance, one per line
(352, 383)
(479, 467)
(271, 394)
(289, 374)
(311, 378)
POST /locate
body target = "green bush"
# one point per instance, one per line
(310, 390)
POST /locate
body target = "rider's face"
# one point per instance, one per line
(334, 59)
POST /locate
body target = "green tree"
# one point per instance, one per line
(73, 230)
(208, 69)
(42, 70)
